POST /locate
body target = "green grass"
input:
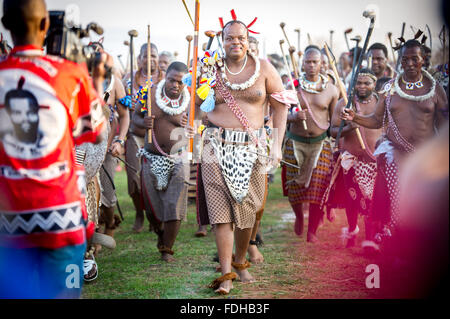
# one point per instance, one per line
(292, 267)
(134, 268)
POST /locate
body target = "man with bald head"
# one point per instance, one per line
(310, 149)
(43, 220)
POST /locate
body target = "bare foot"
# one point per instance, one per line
(167, 257)
(311, 238)
(138, 223)
(298, 226)
(254, 254)
(225, 287)
(245, 276)
(201, 232)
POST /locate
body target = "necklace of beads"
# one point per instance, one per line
(247, 84)
(410, 85)
(311, 87)
(163, 101)
(419, 98)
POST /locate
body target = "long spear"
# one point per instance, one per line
(194, 77)
(149, 91)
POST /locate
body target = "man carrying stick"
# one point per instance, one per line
(310, 149)
(163, 173)
(136, 134)
(232, 172)
(353, 176)
(409, 108)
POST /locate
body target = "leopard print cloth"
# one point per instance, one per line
(161, 167)
(236, 159)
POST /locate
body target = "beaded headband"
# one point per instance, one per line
(373, 77)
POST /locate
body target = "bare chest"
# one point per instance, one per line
(318, 103)
(255, 95)
(401, 107)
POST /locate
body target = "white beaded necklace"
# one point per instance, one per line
(163, 101)
(247, 84)
(311, 87)
(419, 98)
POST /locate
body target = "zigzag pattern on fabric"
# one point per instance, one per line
(50, 220)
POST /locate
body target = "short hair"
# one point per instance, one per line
(381, 82)
(312, 47)
(144, 47)
(358, 51)
(253, 40)
(178, 67)
(413, 44)
(379, 46)
(229, 23)
(167, 54)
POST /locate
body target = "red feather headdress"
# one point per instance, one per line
(234, 17)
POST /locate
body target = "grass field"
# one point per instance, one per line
(293, 268)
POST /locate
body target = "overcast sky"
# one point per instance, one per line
(170, 23)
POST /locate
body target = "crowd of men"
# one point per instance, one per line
(63, 133)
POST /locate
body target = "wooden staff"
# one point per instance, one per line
(294, 62)
(282, 25)
(149, 91)
(194, 77)
(392, 47)
(189, 39)
(346, 32)
(331, 39)
(189, 14)
(343, 92)
(298, 46)
(290, 79)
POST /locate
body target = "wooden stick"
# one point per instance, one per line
(294, 62)
(392, 48)
(282, 25)
(189, 39)
(343, 92)
(189, 14)
(290, 79)
(149, 90)
(194, 77)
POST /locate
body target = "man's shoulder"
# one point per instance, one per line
(332, 89)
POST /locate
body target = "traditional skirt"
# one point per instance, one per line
(164, 186)
(385, 204)
(351, 185)
(233, 177)
(132, 145)
(92, 157)
(202, 209)
(108, 197)
(320, 177)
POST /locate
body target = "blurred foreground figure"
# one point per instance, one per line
(47, 105)
(416, 263)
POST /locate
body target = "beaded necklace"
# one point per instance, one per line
(311, 87)
(163, 101)
(247, 84)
